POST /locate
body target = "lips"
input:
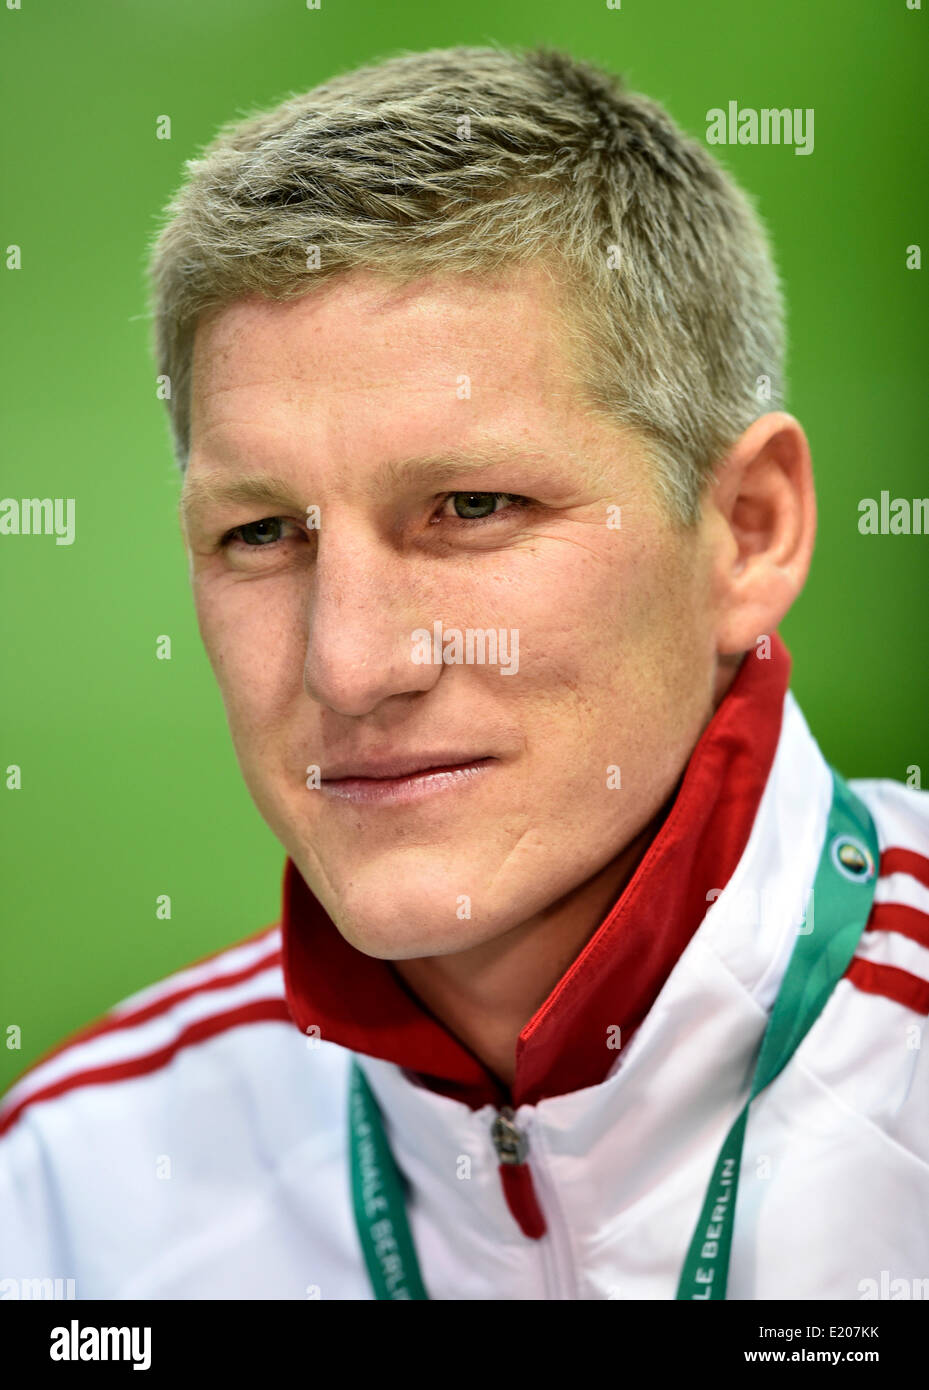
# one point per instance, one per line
(405, 780)
(401, 765)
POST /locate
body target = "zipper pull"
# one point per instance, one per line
(510, 1141)
(512, 1147)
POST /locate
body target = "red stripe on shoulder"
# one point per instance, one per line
(891, 982)
(109, 1023)
(898, 917)
(259, 1011)
(166, 1001)
(905, 861)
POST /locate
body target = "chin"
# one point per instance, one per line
(403, 937)
(401, 901)
(400, 918)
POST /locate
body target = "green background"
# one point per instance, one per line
(130, 784)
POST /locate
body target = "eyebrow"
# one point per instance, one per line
(213, 488)
(219, 487)
(452, 462)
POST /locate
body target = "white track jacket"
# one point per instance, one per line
(194, 1142)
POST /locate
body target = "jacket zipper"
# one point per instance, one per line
(512, 1147)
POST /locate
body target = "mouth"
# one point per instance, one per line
(405, 780)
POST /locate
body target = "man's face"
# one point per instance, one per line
(411, 418)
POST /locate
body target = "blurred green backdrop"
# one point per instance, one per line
(130, 785)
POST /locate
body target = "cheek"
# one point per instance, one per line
(253, 640)
(622, 639)
(589, 601)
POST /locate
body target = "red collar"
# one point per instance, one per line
(362, 1004)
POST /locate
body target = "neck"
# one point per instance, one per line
(487, 995)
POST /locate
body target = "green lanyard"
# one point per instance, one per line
(842, 894)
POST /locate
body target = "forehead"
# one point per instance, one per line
(360, 333)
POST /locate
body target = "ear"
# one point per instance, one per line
(762, 506)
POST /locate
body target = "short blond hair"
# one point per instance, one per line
(472, 159)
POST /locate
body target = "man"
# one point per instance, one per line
(492, 513)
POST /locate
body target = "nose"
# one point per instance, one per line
(360, 625)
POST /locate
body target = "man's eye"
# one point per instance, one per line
(475, 506)
(256, 533)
